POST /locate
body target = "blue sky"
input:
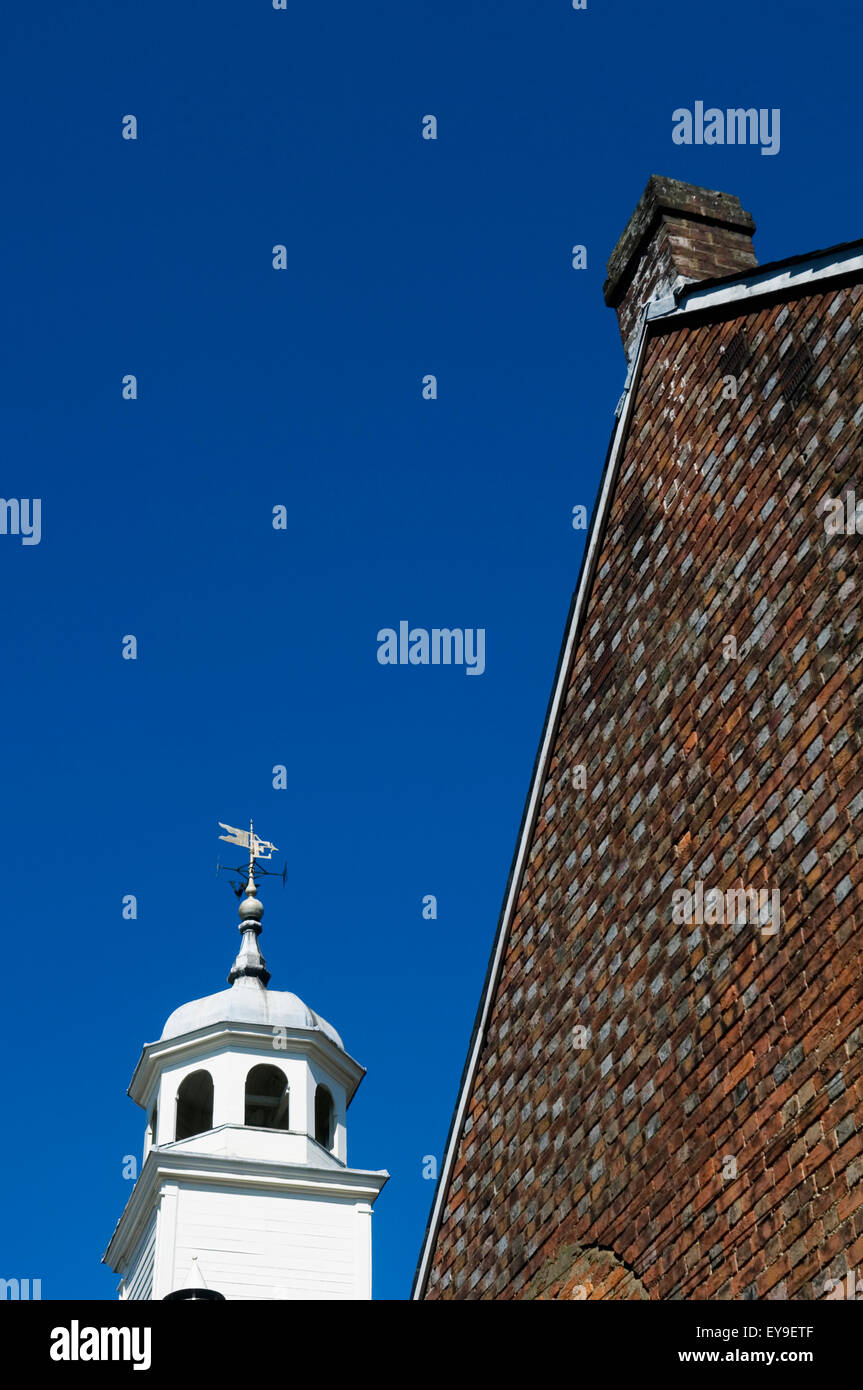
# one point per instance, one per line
(302, 388)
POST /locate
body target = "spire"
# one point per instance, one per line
(250, 964)
(196, 1289)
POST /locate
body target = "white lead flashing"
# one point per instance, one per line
(808, 272)
(828, 265)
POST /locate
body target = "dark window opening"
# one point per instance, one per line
(195, 1105)
(267, 1098)
(324, 1115)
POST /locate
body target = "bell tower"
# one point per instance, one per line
(245, 1189)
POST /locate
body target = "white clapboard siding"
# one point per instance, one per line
(140, 1282)
(269, 1246)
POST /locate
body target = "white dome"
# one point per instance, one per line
(247, 1001)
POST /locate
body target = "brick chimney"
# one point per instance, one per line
(678, 232)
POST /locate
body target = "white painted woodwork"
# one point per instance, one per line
(263, 1213)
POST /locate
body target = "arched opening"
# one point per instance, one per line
(267, 1098)
(324, 1117)
(194, 1105)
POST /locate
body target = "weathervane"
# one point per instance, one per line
(258, 849)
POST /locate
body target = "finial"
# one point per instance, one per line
(249, 964)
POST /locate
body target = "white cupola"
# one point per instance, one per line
(245, 1190)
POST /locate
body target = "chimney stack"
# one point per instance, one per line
(678, 233)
